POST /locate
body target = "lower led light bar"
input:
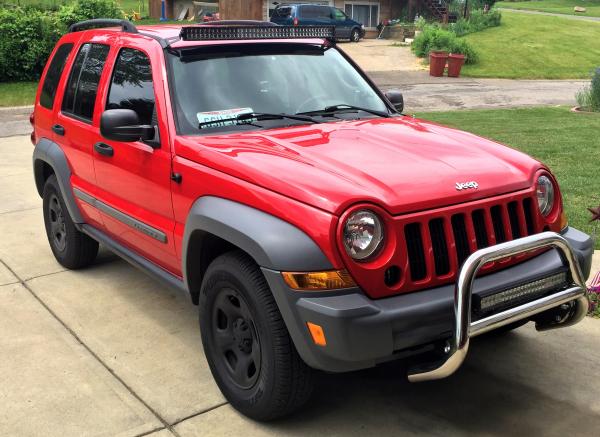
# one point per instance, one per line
(527, 291)
(242, 32)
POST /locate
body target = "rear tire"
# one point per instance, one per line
(71, 248)
(355, 35)
(246, 342)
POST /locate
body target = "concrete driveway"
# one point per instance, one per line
(107, 351)
(382, 55)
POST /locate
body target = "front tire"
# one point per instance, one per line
(355, 35)
(71, 248)
(246, 342)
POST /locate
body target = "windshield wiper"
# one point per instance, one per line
(343, 107)
(256, 116)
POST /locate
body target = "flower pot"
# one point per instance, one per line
(455, 63)
(437, 63)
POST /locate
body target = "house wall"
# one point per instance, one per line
(155, 8)
(241, 9)
(259, 9)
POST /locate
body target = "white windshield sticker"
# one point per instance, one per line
(213, 117)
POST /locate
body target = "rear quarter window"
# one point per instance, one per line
(55, 70)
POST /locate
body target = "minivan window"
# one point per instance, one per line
(80, 95)
(283, 12)
(315, 12)
(339, 15)
(131, 86)
(57, 65)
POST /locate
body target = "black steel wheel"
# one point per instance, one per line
(234, 335)
(71, 248)
(246, 343)
(58, 228)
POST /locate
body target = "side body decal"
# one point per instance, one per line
(121, 216)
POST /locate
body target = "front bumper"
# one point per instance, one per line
(362, 332)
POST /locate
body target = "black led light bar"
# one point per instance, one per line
(236, 32)
(522, 293)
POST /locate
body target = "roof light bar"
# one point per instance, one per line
(212, 33)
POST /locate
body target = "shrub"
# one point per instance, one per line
(27, 36)
(476, 22)
(87, 9)
(588, 98)
(435, 38)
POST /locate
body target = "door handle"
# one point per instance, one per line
(58, 129)
(104, 149)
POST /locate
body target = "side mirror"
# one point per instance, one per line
(396, 99)
(124, 125)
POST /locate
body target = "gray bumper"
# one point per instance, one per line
(362, 332)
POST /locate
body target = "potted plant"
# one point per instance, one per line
(455, 63)
(437, 62)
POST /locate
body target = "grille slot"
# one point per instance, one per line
(460, 237)
(498, 223)
(416, 254)
(527, 203)
(513, 216)
(478, 217)
(439, 246)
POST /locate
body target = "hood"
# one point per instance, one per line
(402, 164)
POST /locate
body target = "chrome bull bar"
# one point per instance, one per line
(458, 346)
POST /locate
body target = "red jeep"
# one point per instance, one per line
(258, 169)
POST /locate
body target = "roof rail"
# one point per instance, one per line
(126, 26)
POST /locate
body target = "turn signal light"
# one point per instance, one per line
(563, 222)
(317, 334)
(329, 280)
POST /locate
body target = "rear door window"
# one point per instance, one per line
(80, 94)
(57, 65)
(131, 86)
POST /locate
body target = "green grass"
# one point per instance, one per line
(528, 46)
(17, 93)
(556, 6)
(565, 141)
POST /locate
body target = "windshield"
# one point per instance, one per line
(225, 81)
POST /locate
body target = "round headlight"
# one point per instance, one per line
(363, 234)
(545, 195)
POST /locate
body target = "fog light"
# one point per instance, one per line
(523, 292)
(329, 280)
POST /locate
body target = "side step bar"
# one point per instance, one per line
(458, 346)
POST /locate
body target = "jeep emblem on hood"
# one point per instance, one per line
(466, 185)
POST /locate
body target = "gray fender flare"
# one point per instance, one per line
(273, 243)
(49, 152)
